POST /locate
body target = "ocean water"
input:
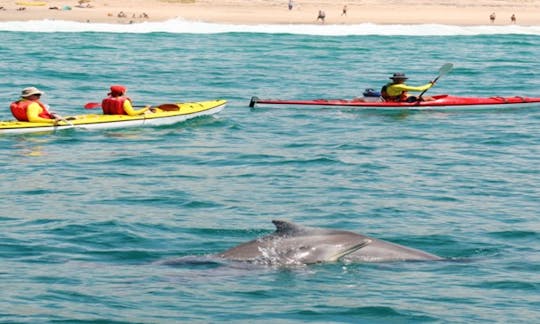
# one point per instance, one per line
(90, 218)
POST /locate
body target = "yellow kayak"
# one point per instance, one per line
(165, 114)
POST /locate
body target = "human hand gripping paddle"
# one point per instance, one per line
(58, 117)
(442, 71)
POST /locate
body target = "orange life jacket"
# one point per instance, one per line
(114, 105)
(401, 97)
(19, 109)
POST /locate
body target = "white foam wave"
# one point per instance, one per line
(181, 26)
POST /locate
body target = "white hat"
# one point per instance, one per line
(27, 92)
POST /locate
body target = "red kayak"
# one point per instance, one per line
(441, 102)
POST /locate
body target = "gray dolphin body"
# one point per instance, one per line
(295, 244)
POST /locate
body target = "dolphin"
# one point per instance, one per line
(292, 244)
(295, 244)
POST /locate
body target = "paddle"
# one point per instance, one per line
(442, 71)
(253, 101)
(58, 117)
(164, 107)
(94, 105)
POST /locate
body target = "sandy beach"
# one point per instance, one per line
(458, 12)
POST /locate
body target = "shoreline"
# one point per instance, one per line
(256, 12)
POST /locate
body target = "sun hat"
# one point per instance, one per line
(27, 92)
(117, 90)
(399, 76)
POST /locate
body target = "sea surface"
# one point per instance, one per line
(90, 219)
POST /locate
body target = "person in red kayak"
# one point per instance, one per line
(30, 109)
(117, 103)
(396, 91)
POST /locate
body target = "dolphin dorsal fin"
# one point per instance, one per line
(286, 228)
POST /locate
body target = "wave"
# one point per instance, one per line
(180, 26)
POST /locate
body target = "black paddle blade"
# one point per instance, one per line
(253, 101)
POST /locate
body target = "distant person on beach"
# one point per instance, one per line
(396, 91)
(344, 11)
(117, 103)
(492, 17)
(30, 109)
(513, 18)
(81, 4)
(290, 4)
(321, 16)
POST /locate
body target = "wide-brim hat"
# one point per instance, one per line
(30, 91)
(399, 76)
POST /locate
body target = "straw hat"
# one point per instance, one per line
(27, 92)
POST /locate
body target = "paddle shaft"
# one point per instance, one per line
(94, 105)
(67, 121)
(164, 107)
(442, 71)
(432, 82)
(58, 117)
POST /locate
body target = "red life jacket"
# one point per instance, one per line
(402, 97)
(19, 109)
(114, 105)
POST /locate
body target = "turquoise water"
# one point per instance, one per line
(89, 217)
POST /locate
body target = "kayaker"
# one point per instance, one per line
(396, 91)
(29, 108)
(117, 103)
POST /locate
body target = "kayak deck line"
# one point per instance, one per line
(166, 114)
(443, 101)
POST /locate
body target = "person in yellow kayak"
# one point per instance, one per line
(396, 91)
(30, 109)
(117, 103)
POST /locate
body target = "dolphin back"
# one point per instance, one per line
(287, 228)
(292, 244)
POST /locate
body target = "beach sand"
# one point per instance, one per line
(457, 12)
